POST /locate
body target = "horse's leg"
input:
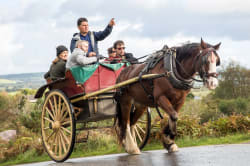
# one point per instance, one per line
(127, 139)
(169, 131)
(139, 110)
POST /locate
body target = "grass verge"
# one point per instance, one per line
(109, 146)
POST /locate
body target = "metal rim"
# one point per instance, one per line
(58, 126)
(141, 130)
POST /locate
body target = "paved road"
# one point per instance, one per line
(216, 155)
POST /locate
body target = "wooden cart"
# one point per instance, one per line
(70, 101)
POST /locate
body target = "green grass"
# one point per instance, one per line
(109, 146)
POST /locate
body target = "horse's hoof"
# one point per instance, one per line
(133, 151)
(136, 152)
(173, 148)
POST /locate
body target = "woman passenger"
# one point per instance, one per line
(58, 66)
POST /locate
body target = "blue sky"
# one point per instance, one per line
(30, 30)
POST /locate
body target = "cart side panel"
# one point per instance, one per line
(69, 87)
(92, 84)
(102, 78)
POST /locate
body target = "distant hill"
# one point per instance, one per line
(4, 81)
(14, 82)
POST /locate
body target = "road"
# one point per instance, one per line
(215, 155)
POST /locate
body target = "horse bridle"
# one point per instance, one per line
(204, 61)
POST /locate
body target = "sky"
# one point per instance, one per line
(30, 30)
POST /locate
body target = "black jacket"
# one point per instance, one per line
(57, 70)
(130, 58)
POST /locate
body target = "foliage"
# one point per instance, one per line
(234, 106)
(234, 82)
(31, 121)
(3, 101)
(190, 96)
(227, 125)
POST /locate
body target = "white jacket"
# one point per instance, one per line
(79, 58)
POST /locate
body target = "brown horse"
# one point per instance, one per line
(167, 92)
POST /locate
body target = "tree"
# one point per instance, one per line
(234, 82)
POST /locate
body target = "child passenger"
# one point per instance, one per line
(79, 55)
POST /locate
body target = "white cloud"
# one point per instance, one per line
(149, 4)
(218, 6)
(30, 30)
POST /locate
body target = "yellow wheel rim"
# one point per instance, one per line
(57, 126)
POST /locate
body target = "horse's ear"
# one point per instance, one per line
(203, 44)
(217, 46)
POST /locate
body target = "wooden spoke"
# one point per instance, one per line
(48, 119)
(59, 105)
(46, 128)
(140, 129)
(63, 142)
(53, 142)
(60, 143)
(51, 115)
(66, 130)
(51, 105)
(55, 106)
(65, 137)
(56, 145)
(50, 136)
(67, 122)
(64, 107)
(64, 116)
(142, 121)
(138, 134)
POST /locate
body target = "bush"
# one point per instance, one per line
(3, 101)
(31, 120)
(238, 106)
(190, 96)
(227, 125)
(209, 114)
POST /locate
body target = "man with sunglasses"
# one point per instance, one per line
(119, 46)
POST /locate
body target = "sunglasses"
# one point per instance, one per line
(111, 52)
(121, 48)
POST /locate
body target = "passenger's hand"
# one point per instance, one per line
(112, 22)
(92, 54)
(101, 60)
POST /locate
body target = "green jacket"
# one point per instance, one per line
(57, 70)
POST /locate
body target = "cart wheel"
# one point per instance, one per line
(58, 126)
(141, 130)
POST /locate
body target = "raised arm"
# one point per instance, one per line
(103, 34)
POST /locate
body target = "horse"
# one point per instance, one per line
(189, 59)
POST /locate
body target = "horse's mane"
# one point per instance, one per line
(187, 50)
(183, 52)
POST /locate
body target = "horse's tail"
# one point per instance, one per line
(120, 130)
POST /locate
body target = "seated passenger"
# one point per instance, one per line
(57, 69)
(119, 46)
(112, 56)
(79, 55)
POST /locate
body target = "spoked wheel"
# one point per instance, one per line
(141, 130)
(58, 126)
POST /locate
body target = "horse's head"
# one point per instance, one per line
(208, 60)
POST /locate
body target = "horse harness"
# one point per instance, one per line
(169, 57)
